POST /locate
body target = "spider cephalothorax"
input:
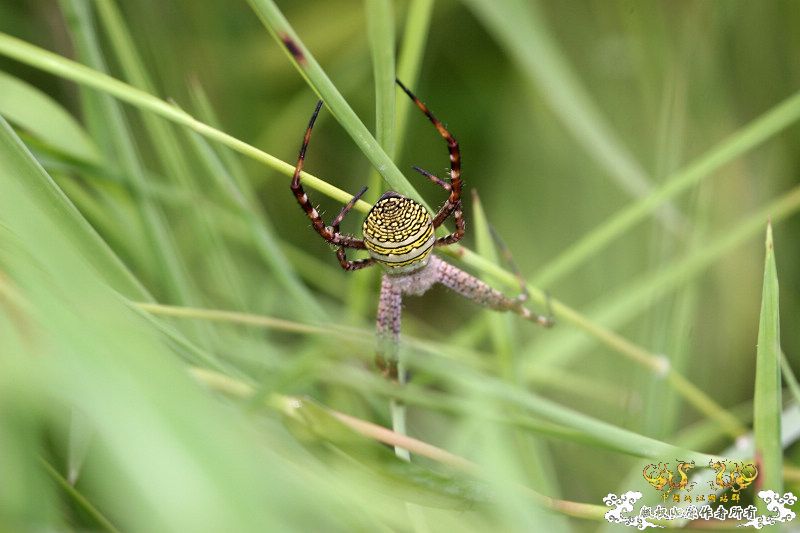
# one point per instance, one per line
(399, 234)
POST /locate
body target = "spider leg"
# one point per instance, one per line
(455, 161)
(347, 207)
(328, 233)
(348, 265)
(340, 252)
(479, 292)
(458, 216)
(390, 307)
(438, 181)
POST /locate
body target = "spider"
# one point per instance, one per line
(399, 234)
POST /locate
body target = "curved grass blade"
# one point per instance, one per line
(46, 119)
(18, 161)
(71, 70)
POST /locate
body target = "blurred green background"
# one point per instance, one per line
(567, 113)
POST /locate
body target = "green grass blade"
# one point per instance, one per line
(71, 70)
(747, 138)
(74, 226)
(169, 265)
(68, 487)
(500, 325)
(791, 380)
(409, 63)
(380, 34)
(170, 154)
(228, 170)
(519, 27)
(46, 119)
(381, 40)
(767, 398)
(308, 67)
(634, 298)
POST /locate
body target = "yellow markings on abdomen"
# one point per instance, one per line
(398, 233)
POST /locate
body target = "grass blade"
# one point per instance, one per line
(380, 33)
(73, 225)
(308, 67)
(71, 70)
(767, 398)
(634, 298)
(235, 185)
(45, 118)
(415, 35)
(519, 27)
(169, 153)
(737, 144)
(125, 151)
(500, 325)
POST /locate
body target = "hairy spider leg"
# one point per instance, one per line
(458, 214)
(390, 307)
(394, 287)
(326, 232)
(452, 203)
(479, 292)
(438, 181)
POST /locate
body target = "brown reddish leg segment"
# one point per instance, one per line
(455, 160)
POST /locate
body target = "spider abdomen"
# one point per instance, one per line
(398, 233)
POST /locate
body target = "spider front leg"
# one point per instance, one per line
(329, 233)
(455, 185)
(479, 292)
(340, 251)
(458, 214)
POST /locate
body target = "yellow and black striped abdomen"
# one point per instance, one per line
(398, 233)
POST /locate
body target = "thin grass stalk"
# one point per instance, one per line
(475, 384)
(159, 234)
(735, 145)
(307, 65)
(521, 28)
(71, 70)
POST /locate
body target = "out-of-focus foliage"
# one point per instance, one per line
(572, 118)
